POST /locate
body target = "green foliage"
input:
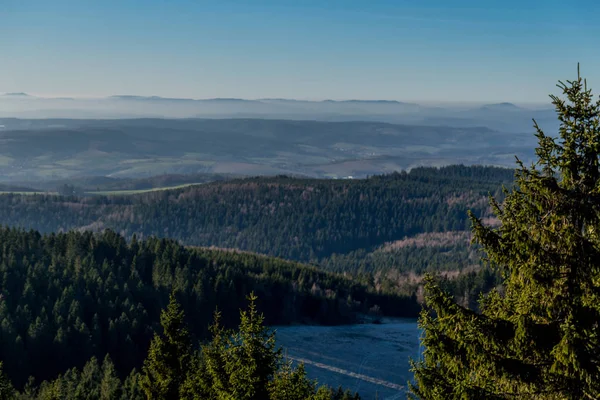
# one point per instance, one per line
(132, 388)
(341, 225)
(341, 394)
(68, 297)
(538, 337)
(291, 384)
(236, 365)
(6, 388)
(110, 385)
(94, 381)
(241, 364)
(245, 364)
(165, 368)
(293, 218)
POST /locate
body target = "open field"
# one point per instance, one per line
(26, 193)
(106, 192)
(369, 359)
(138, 191)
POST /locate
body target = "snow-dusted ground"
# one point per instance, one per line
(369, 359)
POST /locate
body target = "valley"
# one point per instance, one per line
(299, 200)
(348, 251)
(33, 152)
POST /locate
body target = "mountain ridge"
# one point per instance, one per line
(499, 105)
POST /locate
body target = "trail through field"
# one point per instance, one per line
(349, 373)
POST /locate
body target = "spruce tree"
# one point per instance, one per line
(131, 389)
(6, 388)
(292, 384)
(255, 357)
(166, 366)
(241, 364)
(538, 336)
(110, 385)
(198, 384)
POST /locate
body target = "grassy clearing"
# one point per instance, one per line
(106, 192)
(5, 161)
(160, 166)
(138, 191)
(27, 193)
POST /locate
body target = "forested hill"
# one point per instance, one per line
(299, 219)
(67, 297)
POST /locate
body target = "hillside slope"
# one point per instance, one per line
(298, 219)
(67, 297)
(35, 150)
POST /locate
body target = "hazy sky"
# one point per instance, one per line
(417, 50)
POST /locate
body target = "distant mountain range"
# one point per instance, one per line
(504, 105)
(506, 117)
(233, 99)
(21, 94)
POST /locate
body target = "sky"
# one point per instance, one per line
(419, 50)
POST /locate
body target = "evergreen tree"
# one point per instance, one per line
(30, 390)
(198, 383)
(538, 337)
(131, 389)
(291, 384)
(242, 363)
(246, 364)
(165, 368)
(6, 388)
(254, 358)
(110, 385)
(341, 394)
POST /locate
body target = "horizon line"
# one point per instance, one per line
(25, 95)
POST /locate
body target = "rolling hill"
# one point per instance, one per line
(57, 149)
(294, 218)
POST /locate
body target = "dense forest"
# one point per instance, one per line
(68, 297)
(400, 266)
(298, 219)
(242, 363)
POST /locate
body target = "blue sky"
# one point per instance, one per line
(424, 50)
